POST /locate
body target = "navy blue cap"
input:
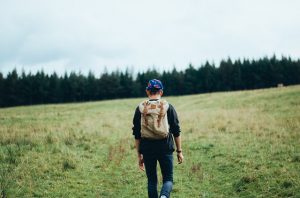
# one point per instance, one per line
(154, 84)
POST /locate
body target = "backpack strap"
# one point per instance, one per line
(161, 113)
(145, 111)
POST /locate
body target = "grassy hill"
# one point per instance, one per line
(236, 144)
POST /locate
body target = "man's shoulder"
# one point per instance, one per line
(142, 102)
(171, 106)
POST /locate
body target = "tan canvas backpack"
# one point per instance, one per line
(154, 121)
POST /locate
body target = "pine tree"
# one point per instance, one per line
(55, 92)
(11, 89)
(209, 79)
(225, 74)
(191, 80)
(2, 101)
(91, 89)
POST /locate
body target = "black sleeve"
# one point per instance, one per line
(173, 121)
(136, 129)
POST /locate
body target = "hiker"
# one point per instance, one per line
(155, 123)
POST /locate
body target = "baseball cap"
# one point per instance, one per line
(154, 84)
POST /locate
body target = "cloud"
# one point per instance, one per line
(89, 35)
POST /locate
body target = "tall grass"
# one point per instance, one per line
(236, 144)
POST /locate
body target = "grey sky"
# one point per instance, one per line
(65, 35)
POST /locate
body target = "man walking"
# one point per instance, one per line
(155, 123)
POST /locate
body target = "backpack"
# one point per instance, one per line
(154, 121)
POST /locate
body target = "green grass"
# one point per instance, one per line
(236, 144)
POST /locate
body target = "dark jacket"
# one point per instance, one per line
(157, 146)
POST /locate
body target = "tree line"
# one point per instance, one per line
(40, 88)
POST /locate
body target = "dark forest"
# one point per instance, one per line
(40, 88)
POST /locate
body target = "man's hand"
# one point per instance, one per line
(180, 157)
(179, 151)
(141, 162)
(140, 156)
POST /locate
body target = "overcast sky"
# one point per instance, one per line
(69, 35)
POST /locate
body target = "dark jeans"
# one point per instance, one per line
(166, 166)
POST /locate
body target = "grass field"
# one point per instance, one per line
(236, 144)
